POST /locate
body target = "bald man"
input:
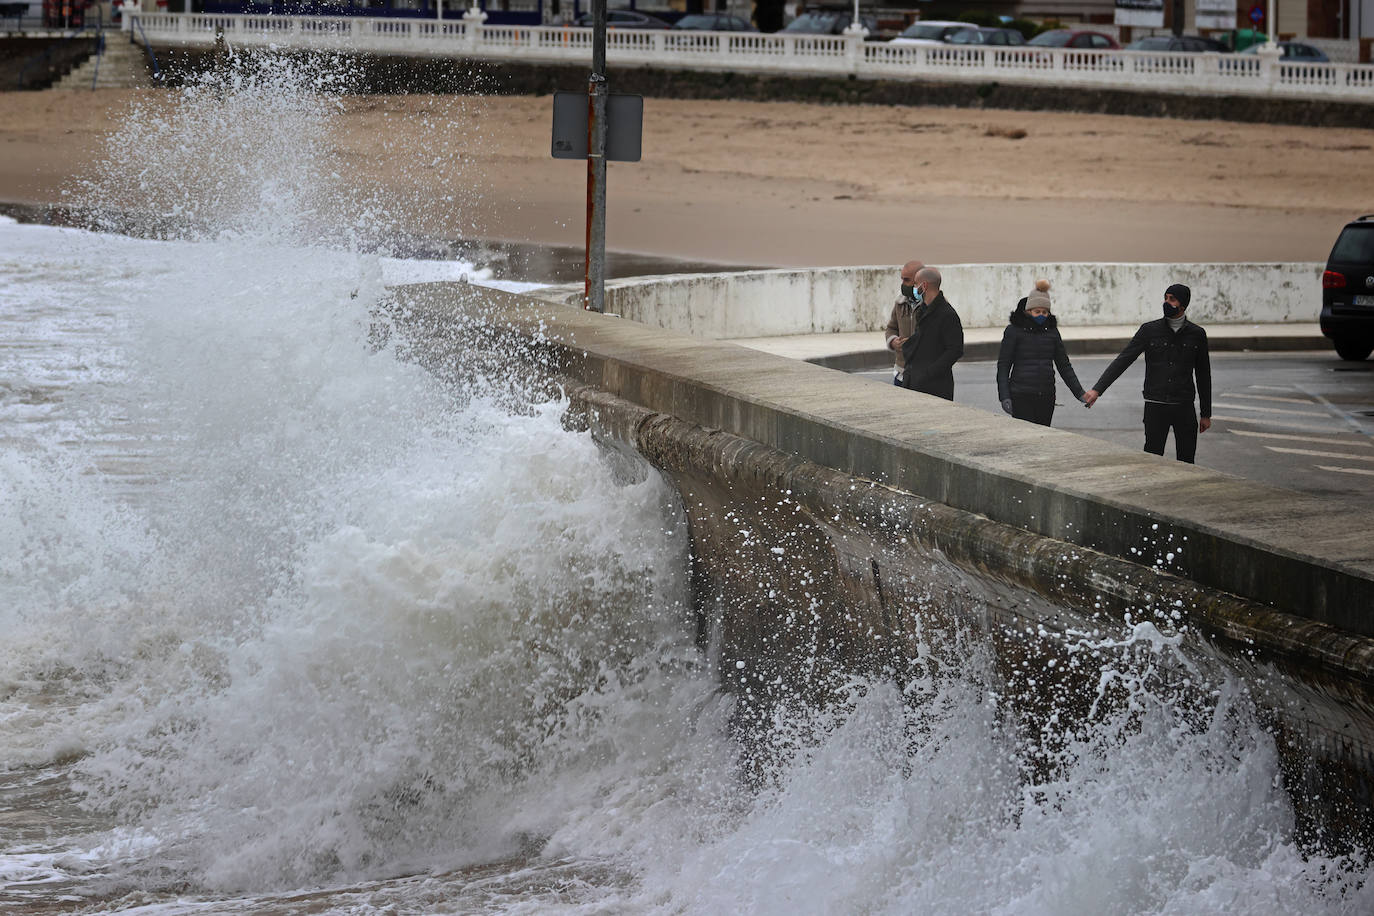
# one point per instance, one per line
(936, 341)
(903, 321)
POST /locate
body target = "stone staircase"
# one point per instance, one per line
(124, 65)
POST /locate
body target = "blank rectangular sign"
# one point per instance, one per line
(624, 126)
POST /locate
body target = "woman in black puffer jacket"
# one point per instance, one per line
(1031, 349)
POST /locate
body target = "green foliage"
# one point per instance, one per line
(1046, 26)
(1026, 27)
(976, 17)
(1240, 39)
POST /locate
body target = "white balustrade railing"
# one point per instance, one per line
(753, 52)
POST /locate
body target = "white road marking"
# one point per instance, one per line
(1369, 472)
(1304, 451)
(1355, 423)
(1269, 397)
(1300, 413)
(1253, 432)
(1281, 424)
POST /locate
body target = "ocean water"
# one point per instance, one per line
(291, 626)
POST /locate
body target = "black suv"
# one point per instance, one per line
(1348, 290)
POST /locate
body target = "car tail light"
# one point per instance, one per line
(1332, 280)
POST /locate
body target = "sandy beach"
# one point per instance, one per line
(791, 184)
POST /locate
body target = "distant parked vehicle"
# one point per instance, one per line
(986, 36)
(624, 19)
(1347, 315)
(713, 22)
(929, 32)
(969, 36)
(1074, 38)
(1191, 43)
(1297, 52)
(827, 23)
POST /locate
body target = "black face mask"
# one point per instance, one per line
(1172, 311)
(908, 292)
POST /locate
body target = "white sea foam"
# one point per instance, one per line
(349, 627)
(396, 271)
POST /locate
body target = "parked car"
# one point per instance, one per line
(1074, 38)
(986, 36)
(1297, 52)
(972, 35)
(1195, 43)
(624, 19)
(929, 32)
(1348, 290)
(713, 22)
(828, 23)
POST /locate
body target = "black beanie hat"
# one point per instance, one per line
(1181, 293)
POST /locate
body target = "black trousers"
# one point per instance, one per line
(1181, 418)
(1033, 408)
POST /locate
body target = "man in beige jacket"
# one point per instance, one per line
(902, 322)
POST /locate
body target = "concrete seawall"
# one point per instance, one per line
(828, 300)
(834, 518)
(396, 73)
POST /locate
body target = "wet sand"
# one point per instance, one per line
(792, 184)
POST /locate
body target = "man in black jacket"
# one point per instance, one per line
(936, 341)
(1175, 353)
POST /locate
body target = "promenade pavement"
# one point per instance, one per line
(1291, 551)
(1281, 416)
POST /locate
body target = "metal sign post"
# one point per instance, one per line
(594, 289)
(599, 126)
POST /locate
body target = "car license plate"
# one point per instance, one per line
(1364, 300)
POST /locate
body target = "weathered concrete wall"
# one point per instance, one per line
(836, 522)
(776, 303)
(802, 574)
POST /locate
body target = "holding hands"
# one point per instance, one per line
(1090, 397)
